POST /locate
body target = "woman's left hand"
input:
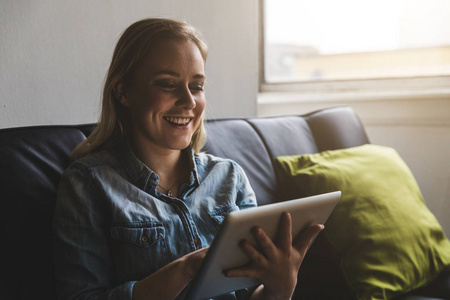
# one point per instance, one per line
(277, 263)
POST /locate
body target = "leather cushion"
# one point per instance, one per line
(32, 160)
(237, 140)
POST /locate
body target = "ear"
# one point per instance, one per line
(120, 94)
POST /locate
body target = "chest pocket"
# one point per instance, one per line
(218, 215)
(138, 249)
(139, 234)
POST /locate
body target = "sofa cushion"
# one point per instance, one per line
(274, 130)
(336, 128)
(385, 239)
(32, 160)
(237, 140)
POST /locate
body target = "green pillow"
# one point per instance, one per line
(384, 237)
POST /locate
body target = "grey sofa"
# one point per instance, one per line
(33, 158)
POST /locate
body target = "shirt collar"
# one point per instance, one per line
(141, 175)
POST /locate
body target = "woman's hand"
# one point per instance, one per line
(170, 280)
(277, 263)
(192, 262)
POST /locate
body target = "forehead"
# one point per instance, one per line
(177, 55)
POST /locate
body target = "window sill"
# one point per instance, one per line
(375, 108)
(298, 97)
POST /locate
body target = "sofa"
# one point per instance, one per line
(33, 158)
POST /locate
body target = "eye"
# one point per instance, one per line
(166, 84)
(197, 87)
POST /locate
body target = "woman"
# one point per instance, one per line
(136, 210)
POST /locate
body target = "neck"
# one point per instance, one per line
(171, 166)
(162, 163)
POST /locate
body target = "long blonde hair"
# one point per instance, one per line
(131, 49)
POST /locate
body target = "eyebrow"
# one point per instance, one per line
(175, 74)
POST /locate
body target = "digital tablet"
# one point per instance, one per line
(224, 252)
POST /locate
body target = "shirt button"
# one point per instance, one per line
(144, 239)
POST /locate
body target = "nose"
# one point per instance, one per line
(186, 99)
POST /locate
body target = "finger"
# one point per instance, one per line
(268, 248)
(284, 237)
(244, 271)
(306, 237)
(254, 255)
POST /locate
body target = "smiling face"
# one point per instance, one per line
(166, 99)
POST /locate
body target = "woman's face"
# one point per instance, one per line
(166, 99)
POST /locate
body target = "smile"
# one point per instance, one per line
(178, 121)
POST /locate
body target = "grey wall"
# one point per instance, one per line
(54, 55)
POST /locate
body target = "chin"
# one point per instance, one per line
(179, 146)
(178, 142)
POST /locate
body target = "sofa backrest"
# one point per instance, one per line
(31, 162)
(33, 158)
(255, 143)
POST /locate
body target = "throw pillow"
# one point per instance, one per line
(384, 237)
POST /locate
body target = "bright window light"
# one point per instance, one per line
(316, 40)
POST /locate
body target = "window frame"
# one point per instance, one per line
(343, 90)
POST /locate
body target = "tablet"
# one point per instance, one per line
(224, 252)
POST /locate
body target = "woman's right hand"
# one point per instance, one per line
(192, 262)
(170, 280)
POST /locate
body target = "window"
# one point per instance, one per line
(348, 44)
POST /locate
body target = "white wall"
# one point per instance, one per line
(54, 55)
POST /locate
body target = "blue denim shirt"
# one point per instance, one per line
(112, 227)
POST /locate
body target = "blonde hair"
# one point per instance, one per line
(131, 49)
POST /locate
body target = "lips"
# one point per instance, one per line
(178, 121)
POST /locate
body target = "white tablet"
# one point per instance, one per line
(224, 252)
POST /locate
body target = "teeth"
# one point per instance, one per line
(178, 121)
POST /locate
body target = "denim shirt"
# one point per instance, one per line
(112, 227)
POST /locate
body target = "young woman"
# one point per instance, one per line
(137, 209)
